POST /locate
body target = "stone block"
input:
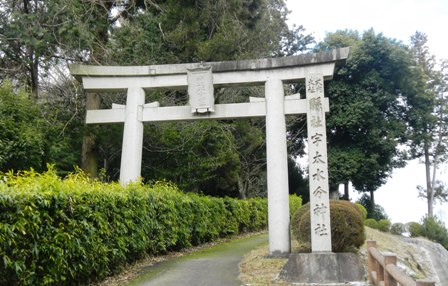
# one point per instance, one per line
(323, 268)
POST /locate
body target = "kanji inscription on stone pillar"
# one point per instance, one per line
(318, 165)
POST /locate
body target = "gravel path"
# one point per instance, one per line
(216, 266)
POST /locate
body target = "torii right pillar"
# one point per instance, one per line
(318, 165)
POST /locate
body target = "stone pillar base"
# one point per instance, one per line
(323, 268)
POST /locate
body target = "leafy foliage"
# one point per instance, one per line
(347, 228)
(374, 211)
(76, 230)
(193, 31)
(22, 135)
(198, 157)
(366, 123)
(439, 192)
(162, 32)
(220, 158)
(39, 37)
(36, 133)
(431, 228)
(415, 229)
(434, 229)
(38, 34)
(372, 223)
(384, 225)
(363, 211)
(295, 203)
(297, 182)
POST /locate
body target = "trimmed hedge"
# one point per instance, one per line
(75, 231)
(347, 228)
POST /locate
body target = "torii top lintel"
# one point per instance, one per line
(288, 69)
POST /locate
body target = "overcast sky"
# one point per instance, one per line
(398, 19)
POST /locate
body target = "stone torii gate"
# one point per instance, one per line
(200, 79)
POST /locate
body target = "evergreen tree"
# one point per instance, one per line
(194, 31)
(38, 38)
(429, 116)
(366, 122)
(21, 133)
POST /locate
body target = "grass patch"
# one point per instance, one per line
(257, 268)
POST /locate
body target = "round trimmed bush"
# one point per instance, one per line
(415, 229)
(372, 223)
(363, 211)
(347, 228)
(384, 225)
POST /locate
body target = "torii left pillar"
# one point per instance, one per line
(277, 169)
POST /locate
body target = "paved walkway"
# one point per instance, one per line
(217, 266)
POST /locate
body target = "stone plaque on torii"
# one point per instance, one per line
(200, 79)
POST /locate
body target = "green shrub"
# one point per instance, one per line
(381, 225)
(347, 229)
(75, 231)
(350, 205)
(434, 229)
(414, 228)
(372, 223)
(384, 225)
(295, 203)
(374, 211)
(22, 136)
(397, 228)
(363, 211)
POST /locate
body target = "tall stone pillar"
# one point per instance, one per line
(318, 165)
(277, 169)
(131, 154)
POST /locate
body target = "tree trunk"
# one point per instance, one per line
(429, 190)
(346, 192)
(89, 163)
(34, 75)
(372, 198)
(32, 56)
(242, 188)
(334, 192)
